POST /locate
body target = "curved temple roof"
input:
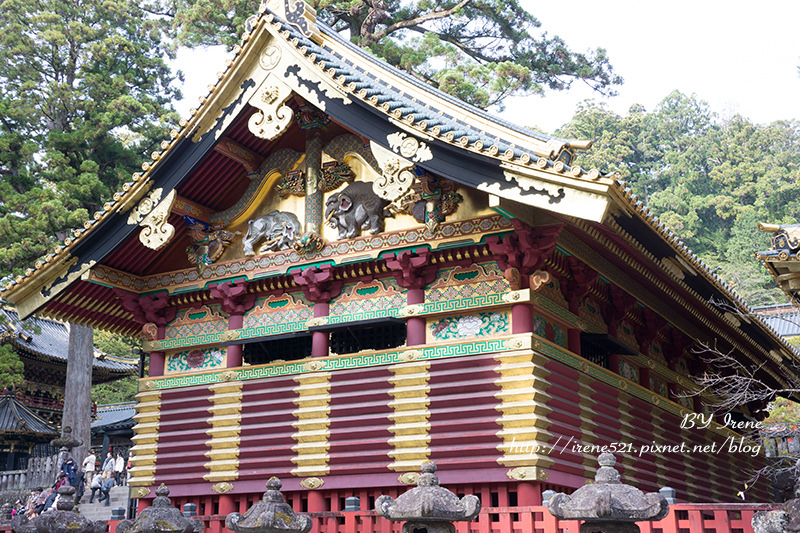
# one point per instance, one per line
(17, 419)
(365, 96)
(49, 339)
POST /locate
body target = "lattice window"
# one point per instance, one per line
(596, 353)
(379, 336)
(287, 348)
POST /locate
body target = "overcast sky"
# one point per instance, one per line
(740, 57)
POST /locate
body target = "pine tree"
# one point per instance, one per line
(85, 92)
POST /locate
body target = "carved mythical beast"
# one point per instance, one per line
(280, 228)
(354, 208)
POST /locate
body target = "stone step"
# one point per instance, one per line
(119, 497)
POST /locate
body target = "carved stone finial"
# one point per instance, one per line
(5, 513)
(63, 520)
(161, 517)
(270, 515)
(608, 505)
(428, 507)
(66, 441)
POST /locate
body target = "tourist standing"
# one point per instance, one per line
(80, 485)
(88, 465)
(108, 466)
(119, 467)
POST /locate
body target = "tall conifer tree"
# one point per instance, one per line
(85, 92)
(480, 51)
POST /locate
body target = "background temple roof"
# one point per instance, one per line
(49, 338)
(783, 319)
(16, 418)
(114, 417)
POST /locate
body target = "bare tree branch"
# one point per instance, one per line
(416, 21)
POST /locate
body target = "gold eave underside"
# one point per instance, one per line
(587, 200)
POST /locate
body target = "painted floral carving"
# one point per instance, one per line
(189, 360)
(479, 325)
(195, 359)
(468, 325)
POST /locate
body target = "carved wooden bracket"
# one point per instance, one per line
(316, 283)
(621, 304)
(583, 277)
(526, 249)
(653, 326)
(234, 298)
(680, 343)
(250, 160)
(412, 269)
(148, 308)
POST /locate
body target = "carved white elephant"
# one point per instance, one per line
(280, 228)
(356, 207)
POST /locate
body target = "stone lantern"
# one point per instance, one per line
(783, 520)
(608, 505)
(161, 517)
(65, 443)
(270, 515)
(62, 520)
(428, 507)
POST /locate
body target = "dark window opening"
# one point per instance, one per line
(286, 348)
(599, 348)
(380, 335)
(595, 353)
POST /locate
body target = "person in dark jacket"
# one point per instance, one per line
(104, 490)
(69, 468)
(80, 486)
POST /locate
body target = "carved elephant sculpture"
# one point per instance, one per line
(354, 208)
(280, 228)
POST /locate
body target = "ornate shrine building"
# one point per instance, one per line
(340, 272)
(30, 412)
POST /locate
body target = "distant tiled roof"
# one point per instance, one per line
(51, 338)
(784, 319)
(17, 418)
(117, 416)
